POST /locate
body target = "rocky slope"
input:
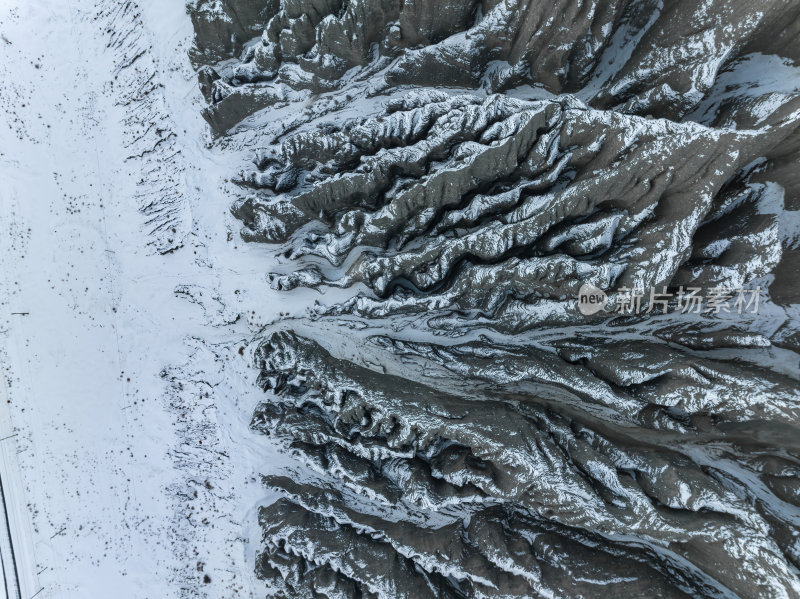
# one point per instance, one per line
(450, 175)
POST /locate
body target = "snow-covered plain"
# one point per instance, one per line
(126, 302)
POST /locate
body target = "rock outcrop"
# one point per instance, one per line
(458, 171)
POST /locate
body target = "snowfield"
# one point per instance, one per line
(121, 399)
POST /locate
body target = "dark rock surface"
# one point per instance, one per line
(461, 428)
(492, 481)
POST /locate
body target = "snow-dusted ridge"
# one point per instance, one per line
(461, 170)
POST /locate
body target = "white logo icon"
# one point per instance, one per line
(591, 299)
